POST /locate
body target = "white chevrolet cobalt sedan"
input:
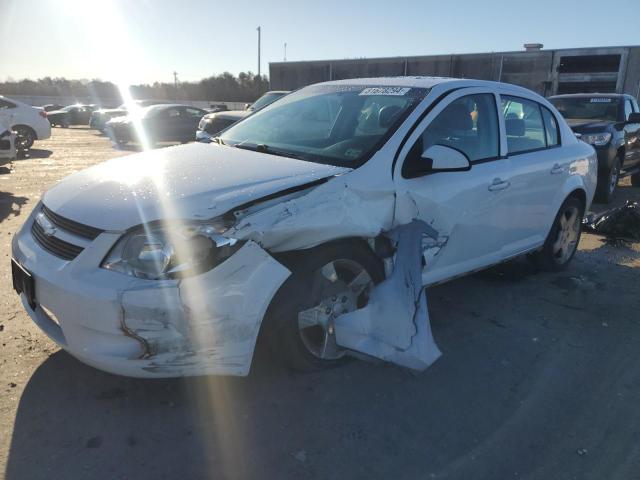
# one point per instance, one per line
(315, 223)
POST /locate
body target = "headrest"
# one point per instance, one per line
(456, 117)
(514, 127)
(388, 115)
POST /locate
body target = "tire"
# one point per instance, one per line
(309, 294)
(25, 137)
(607, 184)
(635, 179)
(562, 242)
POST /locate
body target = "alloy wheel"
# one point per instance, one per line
(339, 287)
(568, 235)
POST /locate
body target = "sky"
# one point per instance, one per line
(142, 41)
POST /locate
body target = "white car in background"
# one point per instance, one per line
(317, 222)
(7, 143)
(29, 123)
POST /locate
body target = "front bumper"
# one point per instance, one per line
(202, 325)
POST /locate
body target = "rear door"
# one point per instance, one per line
(467, 209)
(539, 170)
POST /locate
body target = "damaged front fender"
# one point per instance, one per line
(206, 324)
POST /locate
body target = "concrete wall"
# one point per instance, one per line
(535, 70)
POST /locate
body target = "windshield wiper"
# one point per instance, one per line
(262, 148)
(218, 140)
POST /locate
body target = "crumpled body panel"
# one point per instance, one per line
(394, 326)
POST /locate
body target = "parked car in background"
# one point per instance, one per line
(315, 222)
(100, 117)
(220, 107)
(611, 123)
(71, 115)
(8, 137)
(214, 123)
(159, 123)
(51, 106)
(29, 123)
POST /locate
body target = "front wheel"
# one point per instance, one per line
(330, 281)
(562, 242)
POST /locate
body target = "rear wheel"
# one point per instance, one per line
(25, 137)
(332, 280)
(607, 184)
(562, 242)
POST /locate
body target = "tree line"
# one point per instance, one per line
(245, 87)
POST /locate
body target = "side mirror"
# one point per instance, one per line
(436, 158)
(247, 106)
(445, 159)
(634, 117)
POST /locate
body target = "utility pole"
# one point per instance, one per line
(259, 32)
(175, 80)
(285, 51)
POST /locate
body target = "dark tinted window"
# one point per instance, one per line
(550, 127)
(5, 104)
(588, 108)
(468, 124)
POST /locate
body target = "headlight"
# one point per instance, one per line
(596, 138)
(157, 253)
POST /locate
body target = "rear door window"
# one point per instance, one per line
(5, 104)
(550, 127)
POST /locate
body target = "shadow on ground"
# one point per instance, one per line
(539, 378)
(10, 204)
(34, 153)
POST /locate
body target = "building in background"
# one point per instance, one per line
(548, 72)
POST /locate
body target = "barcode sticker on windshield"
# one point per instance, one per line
(397, 91)
(601, 100)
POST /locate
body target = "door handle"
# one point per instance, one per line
(498, 184)
(557, 168)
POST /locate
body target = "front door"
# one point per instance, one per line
(467, 209)
(631, 137)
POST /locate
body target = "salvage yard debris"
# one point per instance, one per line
(620, 223)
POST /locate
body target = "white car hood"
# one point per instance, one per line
(196, 181)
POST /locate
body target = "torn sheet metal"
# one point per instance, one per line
(328, 212)
(206, 324)
(394, 326)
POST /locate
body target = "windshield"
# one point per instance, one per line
(587, 108)
(336, 124)
(265, 100)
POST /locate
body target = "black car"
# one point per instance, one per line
(99, 118)
(52, 106)
(611, 123)
(158, 123)
(71, 115)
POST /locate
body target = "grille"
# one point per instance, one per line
(217, 125)
(70, 226)
(59, 248)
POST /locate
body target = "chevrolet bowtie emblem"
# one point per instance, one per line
(47, 227)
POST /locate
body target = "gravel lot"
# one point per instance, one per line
(539, 379)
